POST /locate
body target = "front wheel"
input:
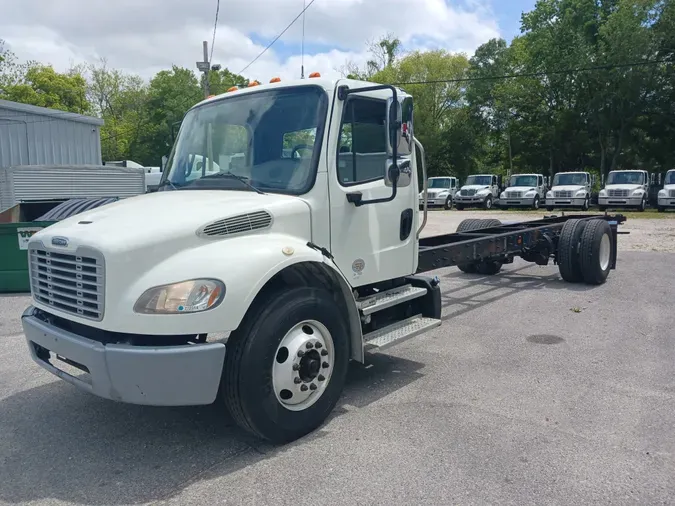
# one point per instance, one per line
(286, 365)
(586, 205)
(448, 203)
(535, 203)
(488, 202)
(459, 207)
(662, 209)
(643, 205)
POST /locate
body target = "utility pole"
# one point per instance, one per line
(204, 66)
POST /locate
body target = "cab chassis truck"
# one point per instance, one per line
(240, 295)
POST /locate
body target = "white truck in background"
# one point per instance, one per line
(666, 196)
(439, 192)
(570, 190)
(625, 188)
(479, 190)
(524, 190)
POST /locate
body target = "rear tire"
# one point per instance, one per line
(459, 207)
(569, 264)
(595, 251)
(486, 268)
(549, 209)
(466, 226)
(252, 381)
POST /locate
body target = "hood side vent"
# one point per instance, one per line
(237, 224)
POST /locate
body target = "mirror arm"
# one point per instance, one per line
(425, 185)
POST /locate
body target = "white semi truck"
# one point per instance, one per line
(570, 190)
(256, 287)
(439, 192)
(479, 190)
(625, 188)
(524, 190)
(666, 195)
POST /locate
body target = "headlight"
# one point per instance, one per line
(185, 297)
(662, 193)
(549, 194)
(530, 194)
(482, 192)
(502, 195)
(458, 193)
(638, 192)
(581, 193)
(442, 194)
(603, 193)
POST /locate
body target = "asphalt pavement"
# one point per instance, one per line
(534, 391)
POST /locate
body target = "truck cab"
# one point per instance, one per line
(666, 196)
(479, 190)
(570, 190)
(625, 188)
(524, 190)
(439, 192)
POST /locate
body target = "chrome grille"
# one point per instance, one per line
(70, 283)
(563, 194)
(617, 193)
(467, 193)
(671, 193)
(238, 224)
(514, 195)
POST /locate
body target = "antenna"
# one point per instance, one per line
(302, 64)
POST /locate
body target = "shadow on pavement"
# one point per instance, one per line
(59, 443)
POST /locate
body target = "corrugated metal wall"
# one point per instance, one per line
(25, 184)
(35, 136)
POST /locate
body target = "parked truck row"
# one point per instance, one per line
(630, 189)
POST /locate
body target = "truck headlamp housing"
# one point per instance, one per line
(190, 296)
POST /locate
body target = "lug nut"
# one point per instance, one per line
(318, 346)
(312, 386)
(309, 346)
(296, 367)
(301, 353)
(321, 377)
(304, 388)
(325, 365)
(297, 381)
(324, 353)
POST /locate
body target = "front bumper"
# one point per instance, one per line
(565, 202)
(434, 201)
(666, 202)
(620, 201)
(474, 200)
(152, 375)
(522, 202)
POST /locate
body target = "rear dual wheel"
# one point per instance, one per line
(585, 251)
(486, 268)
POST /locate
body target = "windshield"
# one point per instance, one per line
(439, 183)
(625, 178)
(478, 180)
(271, 138)
(578, 179)
(670, 177)
(523, 181)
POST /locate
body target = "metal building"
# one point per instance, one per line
(31, 135)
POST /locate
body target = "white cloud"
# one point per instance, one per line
(144, 36)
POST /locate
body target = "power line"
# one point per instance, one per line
(537, 74)
(215, 26)
(277, 37)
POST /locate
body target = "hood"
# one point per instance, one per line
(520, 189)
(622, 186)
(434, 191)
(669, 186)
(165, 222)
(475, 187)
(568, 188)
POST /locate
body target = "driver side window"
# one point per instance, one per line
(362, 144)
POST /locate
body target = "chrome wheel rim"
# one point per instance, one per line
(302, 365)
(605, 252)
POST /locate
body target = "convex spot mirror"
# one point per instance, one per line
(400, 135)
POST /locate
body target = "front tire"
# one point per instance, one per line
(587, 204)
(643, 205)
(275, 385)
(459, 207)
(448, 203)
(535, 203)
(488, 202)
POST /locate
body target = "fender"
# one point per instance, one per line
(245, 264)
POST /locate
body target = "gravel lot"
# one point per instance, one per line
(534, 391)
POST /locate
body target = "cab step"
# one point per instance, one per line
(398, 332)
(389, 298)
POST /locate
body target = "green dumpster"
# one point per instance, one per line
(16, 228)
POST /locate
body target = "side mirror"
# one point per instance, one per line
(400, 126)
(652, 178)
(602, 180)
(659, 182)
(401, 173)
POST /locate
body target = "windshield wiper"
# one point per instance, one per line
(243, 179)
(167, 182)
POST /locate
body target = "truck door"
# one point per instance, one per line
(541, 189)
(374, 241)
(494, 188)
